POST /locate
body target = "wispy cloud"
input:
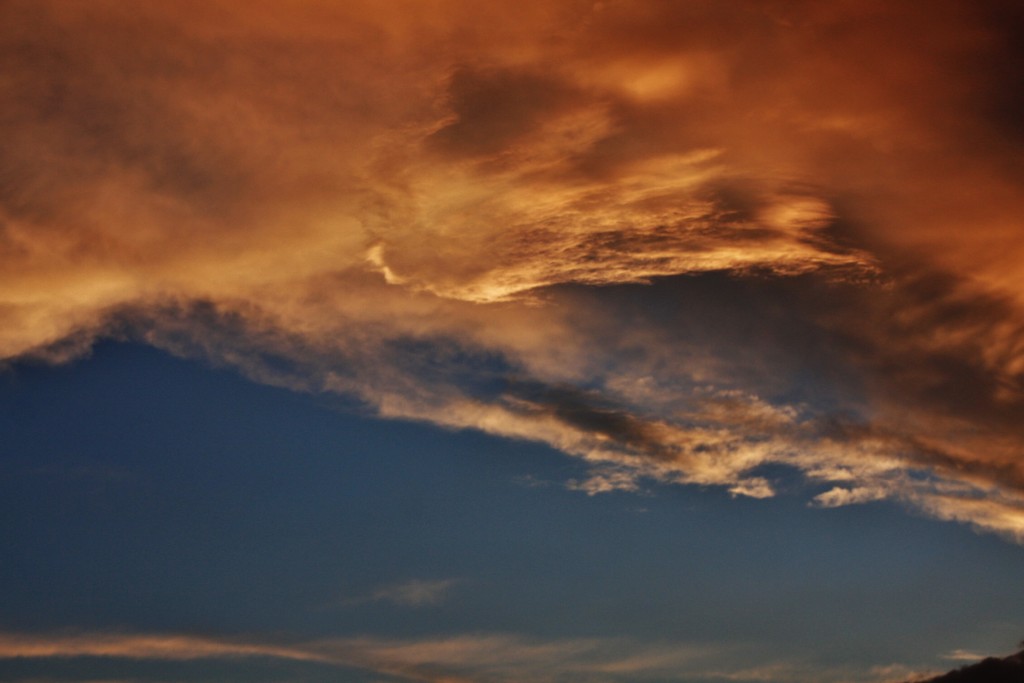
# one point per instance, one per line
(963, 656)
(134, 646)
(474, 658)
(412, 593)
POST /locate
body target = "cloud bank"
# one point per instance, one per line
(682, 241)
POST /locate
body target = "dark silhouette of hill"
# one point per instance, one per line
(989, 670)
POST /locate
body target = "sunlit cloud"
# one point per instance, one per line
(508, 221)
(170, 647)
(474, 658)
(963, 656)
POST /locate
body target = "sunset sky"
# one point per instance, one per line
(675, 341)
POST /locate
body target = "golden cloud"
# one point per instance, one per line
(447, 211)
(466, 658)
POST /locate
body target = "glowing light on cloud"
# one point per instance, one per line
(459, 658)
(447, 213)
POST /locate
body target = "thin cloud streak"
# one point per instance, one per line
(475, 658)
(414, 593)
(170, 647)
(433, 210)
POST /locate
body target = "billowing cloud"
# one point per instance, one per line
(683, 241)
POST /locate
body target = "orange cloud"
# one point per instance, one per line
(506, 658)
(444, 211)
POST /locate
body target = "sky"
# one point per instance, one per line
(429, 340)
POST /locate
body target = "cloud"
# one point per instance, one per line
(170, 647)
(470, 658)
(963, 656)
(412, 593)
(605, 480)
(680, 241)
(839, 496)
